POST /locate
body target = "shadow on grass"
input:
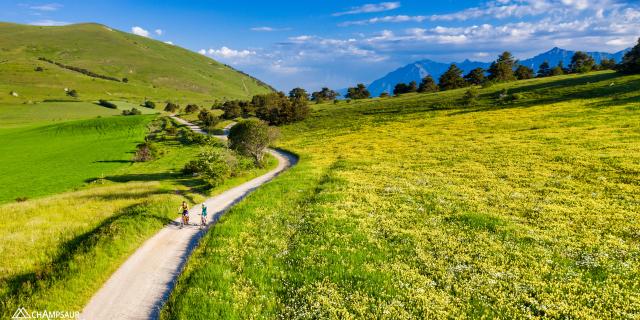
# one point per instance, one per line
(23, 286)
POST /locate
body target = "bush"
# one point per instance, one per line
(149, 104)
(251, 138)
(470, 97)
(384, 95)
(209, 120)
(107, 104)
(72, 93)
(39, 69)
(125, 80)
(146, 152)
(171, 107)
(132, 112)
(191, 108)
(214, 165)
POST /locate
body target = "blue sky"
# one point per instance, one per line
(339, 43)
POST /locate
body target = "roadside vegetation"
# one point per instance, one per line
(522, 204)
(58, 250)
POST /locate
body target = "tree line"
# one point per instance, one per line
(506, 68)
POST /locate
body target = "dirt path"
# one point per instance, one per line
(139, 288)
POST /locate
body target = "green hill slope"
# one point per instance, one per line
(153, 69)
(419, 207)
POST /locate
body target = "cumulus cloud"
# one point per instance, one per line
(169, 42)
(140, 31)
(202, 51)
(370, 8)
(158, 32)
(47, 22)
(46, 7)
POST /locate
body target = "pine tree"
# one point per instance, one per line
(475, 76)
(428, 85)
(452, 79)
(581, 62)
(544, 70)
(631, 61)
(502, 69)
(523, 72)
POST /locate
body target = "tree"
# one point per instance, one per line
(427, 85)
(299, 94)
(523, 72)
(232, 109)
(384, 95)
(358, 92)
(452, 79)
(325, 94)
(607, 64)
(276, 108)
(558, 70)
(107, 104)
(544, 70)
(251, 138)
(475, 76)
(502, 69)
(630, 63)
(581, 62)
(191, 108)
(171, 107)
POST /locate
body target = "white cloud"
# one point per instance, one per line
(158, 32)
(268, 29)
(169, 42)
(202, 51)
(139, 31)
(394, 19)
(47, 22)
(228, 53)
(370, 8)
(46, 7)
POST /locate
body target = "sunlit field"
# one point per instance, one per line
(420, 207)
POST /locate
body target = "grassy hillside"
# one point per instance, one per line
(418, 207)
(155, 70)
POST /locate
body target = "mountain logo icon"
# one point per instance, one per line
(21, 313)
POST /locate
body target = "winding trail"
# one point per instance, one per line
(139, 288)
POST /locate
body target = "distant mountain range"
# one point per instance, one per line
(419, 69)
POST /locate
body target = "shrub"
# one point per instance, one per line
(209, 120)
(149, 104)
(384, 95)
(251, 138)
(107, 104)
(171, 107)
(213, 165)
(132, 112)
(125, 80)
(72, 93)
(360, 91)
(470, 97)
(146, 152)
(191, 108)
(232, 109)
(39, 69)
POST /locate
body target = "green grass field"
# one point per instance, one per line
(417, 207)
(155, 70)
(58, 250)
